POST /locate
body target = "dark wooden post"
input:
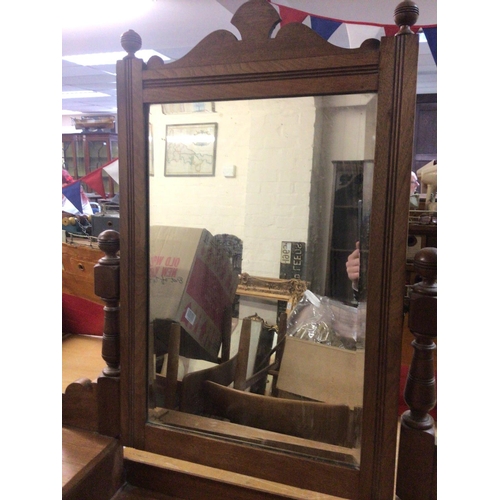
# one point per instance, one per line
(226, 334)
(280, 347)
(174, 344)
(107, 287)
(416, 477)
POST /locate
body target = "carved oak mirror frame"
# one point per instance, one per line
(297, 62)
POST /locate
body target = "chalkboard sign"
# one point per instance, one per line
(292, 266)
(292, 260)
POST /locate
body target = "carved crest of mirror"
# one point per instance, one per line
(242, 157)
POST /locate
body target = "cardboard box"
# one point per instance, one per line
(191, 282)
(322, 373)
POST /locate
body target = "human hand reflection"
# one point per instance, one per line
(352, 266)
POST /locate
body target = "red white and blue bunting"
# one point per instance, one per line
(326, 27)
(94, 180)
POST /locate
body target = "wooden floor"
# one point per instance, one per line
(81, 358)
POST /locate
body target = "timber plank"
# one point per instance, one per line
(189, 479)
(92, 465)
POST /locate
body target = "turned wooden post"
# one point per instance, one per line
(107, 287)
(416, 479)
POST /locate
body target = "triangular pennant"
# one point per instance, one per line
(324, 27)
(391, 29)
(431, 35)
(291, 15)
(112, 170)
(72, 192)
(94, 180)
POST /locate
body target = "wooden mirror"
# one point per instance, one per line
(263, 70)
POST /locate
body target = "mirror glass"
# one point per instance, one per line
(255, 208)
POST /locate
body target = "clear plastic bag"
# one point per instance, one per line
(327, 321)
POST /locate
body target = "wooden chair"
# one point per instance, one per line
(327, 423)
(185, 392)
(269, 363)
(193, 398)
(224, 392)
(171, 341)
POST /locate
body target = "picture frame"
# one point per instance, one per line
(182, 108)
(190, 149)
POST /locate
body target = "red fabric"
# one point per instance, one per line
(291, 15)
(94, 180)
(391, 29)
(80, 316)
(402, 383)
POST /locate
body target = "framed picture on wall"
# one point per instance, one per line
(190, 149)
(178, 108)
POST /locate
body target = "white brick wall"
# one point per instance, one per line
(268, 199)
(272, 145)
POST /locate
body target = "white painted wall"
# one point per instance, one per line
(273, 145)
(270, 143)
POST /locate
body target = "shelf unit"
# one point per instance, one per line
(82, 153)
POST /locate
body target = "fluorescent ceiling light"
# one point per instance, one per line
(79, 94)
(110, 12)
(103, 58)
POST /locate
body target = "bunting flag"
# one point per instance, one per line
(94, 180)
(72, 192)
(431, 36)
(111, 169)
(291, 15)
(325, 27)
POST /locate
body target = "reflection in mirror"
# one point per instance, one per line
(256, 330)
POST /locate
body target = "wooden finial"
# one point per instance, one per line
(425, 264)
(109, 242)
(131, 42)
(406, 15)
